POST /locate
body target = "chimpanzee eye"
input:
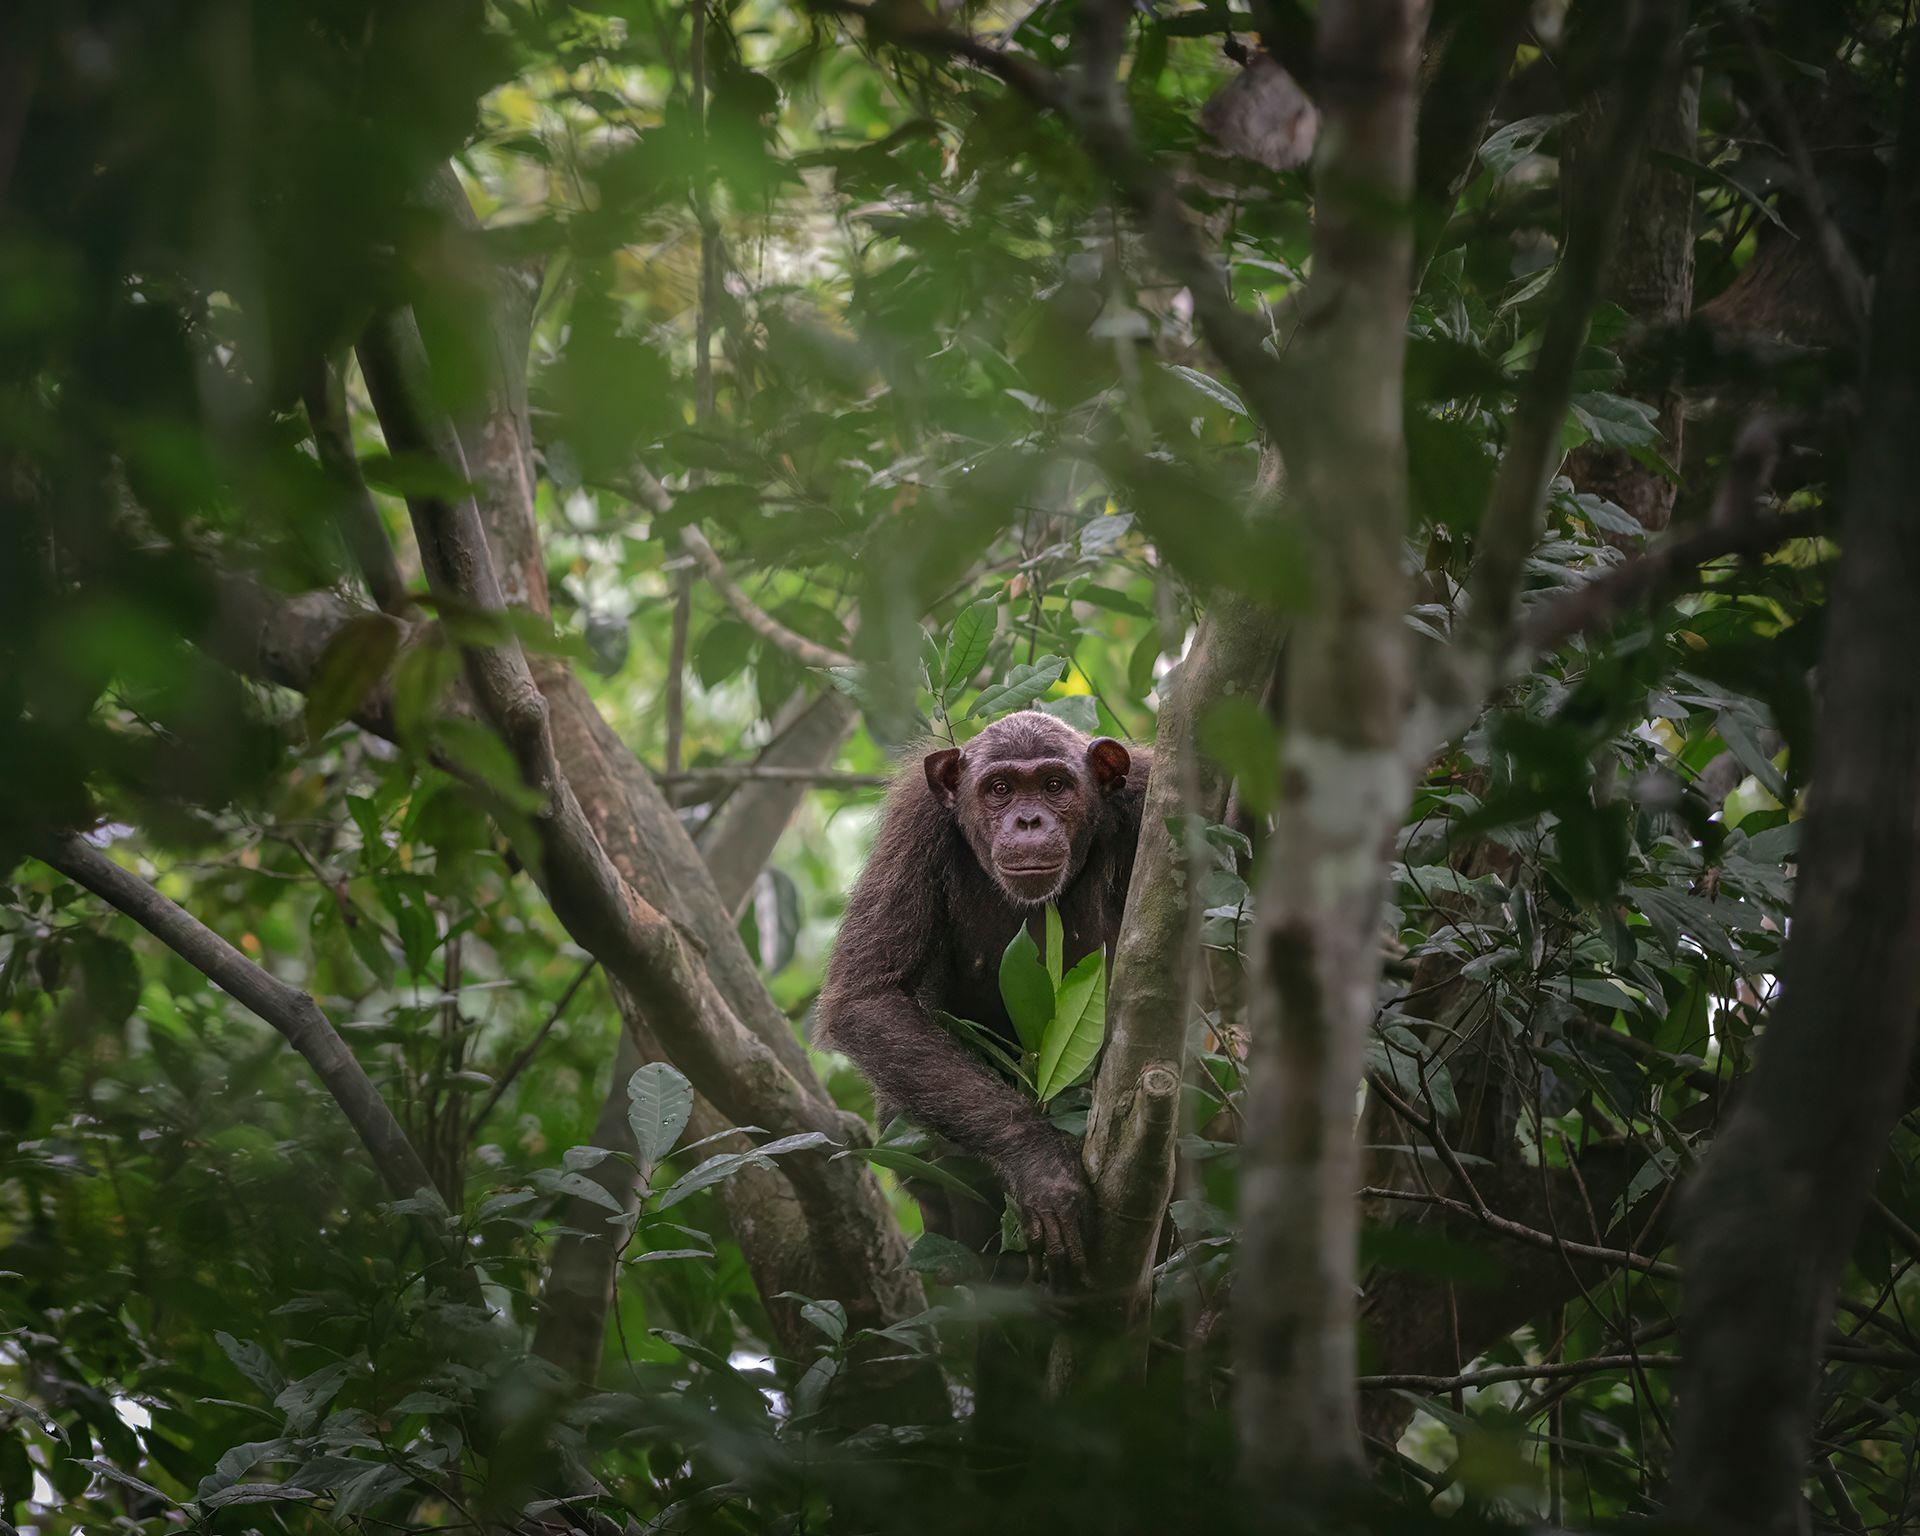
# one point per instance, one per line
(999, 789)
(1056, 785)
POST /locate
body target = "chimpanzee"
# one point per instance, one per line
(1030, 812)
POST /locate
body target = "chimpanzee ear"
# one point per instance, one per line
(1109, 762)
(943, 774)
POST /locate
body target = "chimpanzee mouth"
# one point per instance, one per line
(1032, 871)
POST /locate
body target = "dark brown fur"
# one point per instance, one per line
(926, 927)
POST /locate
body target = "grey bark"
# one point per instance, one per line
(1134, 1122)
(1344, 780)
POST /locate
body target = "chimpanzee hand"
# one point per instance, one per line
(1048, 1186)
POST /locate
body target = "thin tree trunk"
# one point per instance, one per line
(1772, 1218)
(1134, 1122)
(1344, 780)
(1649, 270)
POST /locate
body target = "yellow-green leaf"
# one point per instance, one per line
(1079, 1026)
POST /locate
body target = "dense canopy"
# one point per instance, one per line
(490, 492)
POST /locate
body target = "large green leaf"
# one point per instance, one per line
(967, 641)
(659, 1100)
(1056, 946)
(909, 1166)
(1026, 989)
(1079, 1025)
(1020, 687)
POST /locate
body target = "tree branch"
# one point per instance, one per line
(1511, 526)
(641, 948)
(360, 526)
(1665, 568)
(1546, 1371)
(808, 653)
(297, 1017)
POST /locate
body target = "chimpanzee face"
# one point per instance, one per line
(1027, 794)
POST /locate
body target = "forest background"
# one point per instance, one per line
(490, 491)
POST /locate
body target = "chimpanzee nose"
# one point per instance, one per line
(1027, 821)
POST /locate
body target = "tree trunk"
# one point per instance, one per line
(1770, 1222)
(1131, 1132)
(1343, 778)
(1649, 271)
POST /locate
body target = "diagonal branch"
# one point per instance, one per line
(1511, 527)
(640, 946)
(809, 653)
(293, 1013)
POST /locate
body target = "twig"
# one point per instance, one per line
(1598, 603)
(1532, 1236)
(526, 1052)
(808, 653)
(676, 700)
(739, 773)
(1546, 1371)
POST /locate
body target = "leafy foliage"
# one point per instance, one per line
(961, 429)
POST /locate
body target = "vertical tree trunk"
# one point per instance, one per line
(1343, 780)
(1770, 1221)
(1649, 271)
(1134, 1122)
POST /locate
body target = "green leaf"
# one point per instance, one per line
(659, 1100)
(1212, 388)
(350, 668)
(968, 638)
(252, 1362)
(908, 1166)
(1508, 146)
(1615, 421)
(1020, 687)
(1078, 1028)
(302, 1400)
(1027, 989)
(949, 1262)
(256, 1493)
(1737, 731)
(1077, 709)
(109, 1470)
(725, 1164)
(1056, 946)
(109, 977)
(830, 1317)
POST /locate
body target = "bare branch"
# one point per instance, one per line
(297, 1017)
(776, 773)
(641, 948)
(808, 653)
(1531, 1236)
(1594, 1365)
